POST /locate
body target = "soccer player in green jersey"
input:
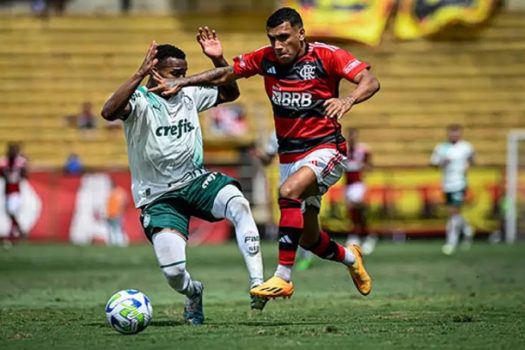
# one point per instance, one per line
(169, 182)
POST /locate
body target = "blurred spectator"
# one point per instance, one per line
(13, 169)
(229, 120)
(125, 6)
(43, 7)
(73, 165)
(85, 120)
(115, 210)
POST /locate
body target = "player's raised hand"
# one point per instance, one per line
(164, 86)
(209, 42)
(149, 61)
(337, 107)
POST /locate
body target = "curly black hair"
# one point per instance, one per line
(166, 50)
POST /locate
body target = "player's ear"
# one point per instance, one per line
(301, 34)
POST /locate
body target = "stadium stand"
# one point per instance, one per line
(50, 67)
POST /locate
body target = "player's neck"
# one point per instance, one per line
(302, 51)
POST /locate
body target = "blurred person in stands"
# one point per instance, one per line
(359, 160)
(454, 157)
(169, 182)
(305, 258)
(229, 120)
(13, 169)
(85, 120)
(116, 206)
(73, 165)
(302, 82)
(43, 7)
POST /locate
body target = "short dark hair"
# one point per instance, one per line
(166, 51)
(454, 127)
(285, 14)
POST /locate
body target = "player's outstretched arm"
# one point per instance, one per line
(367, 86)
(214, 77)
(212, 48)
(117, 106)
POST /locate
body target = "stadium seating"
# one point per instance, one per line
(50, 67)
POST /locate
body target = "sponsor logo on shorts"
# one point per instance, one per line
(208, 180)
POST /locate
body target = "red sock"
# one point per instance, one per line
(291, 227)
(327, 248)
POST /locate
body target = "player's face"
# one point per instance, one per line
(286, 41)
(172, 68)
(454, 135)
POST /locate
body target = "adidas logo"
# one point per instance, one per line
(285, 239)
(271, 70)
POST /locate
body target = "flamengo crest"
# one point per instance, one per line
(307, 72)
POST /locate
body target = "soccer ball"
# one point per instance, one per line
(129, 311)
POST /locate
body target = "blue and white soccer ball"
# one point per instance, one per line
(129, 311)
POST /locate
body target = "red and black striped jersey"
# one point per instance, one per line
(298, 91)
(357, 157)
(13, 172)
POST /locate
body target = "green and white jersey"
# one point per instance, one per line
(165, 140)
(458, 155)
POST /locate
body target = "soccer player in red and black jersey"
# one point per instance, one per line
(302, 82)
(13, 169)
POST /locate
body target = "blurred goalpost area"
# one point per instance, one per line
(515, 196)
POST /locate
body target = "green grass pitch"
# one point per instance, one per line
(53, 297)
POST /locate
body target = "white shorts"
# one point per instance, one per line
(13, 203)
(355, 193)
(327, 164)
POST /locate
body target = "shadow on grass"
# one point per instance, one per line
(269, 323)
(167, 323)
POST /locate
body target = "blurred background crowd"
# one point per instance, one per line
(439, 62)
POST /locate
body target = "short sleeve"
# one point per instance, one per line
(345, 65)
(138, 103)
(249, 64)
(204, 97)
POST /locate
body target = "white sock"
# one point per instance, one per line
(284, 272)
(349, 258)
(231, 204)
(466, 229)
(453, 230)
